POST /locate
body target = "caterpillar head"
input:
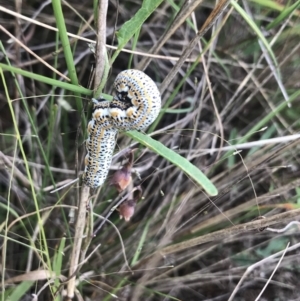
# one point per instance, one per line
(136, 102)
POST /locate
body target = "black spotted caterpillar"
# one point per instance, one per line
(135, 106)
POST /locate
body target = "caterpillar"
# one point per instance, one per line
(136, 104)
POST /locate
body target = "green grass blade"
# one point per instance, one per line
(256, 30)
(140, 245)
(132, 26)
(284, 15)
(262, 123)
(20, 290)
(274, 5)
(269, 117)
(134, 44)
(58, 259)
(266, 135)
(62, 30)
(48, 80)
(186, 166)
(53, 82)
(61, 26)
(22, 151)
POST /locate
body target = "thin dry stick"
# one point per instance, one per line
(252, 267)
(79, 229)
(17, 174)
(63, 281)
(285, 217)
(99, 74)
(218, 10)
(101, 40)
(284, 228)
(81, 218)
(274, 69)
(230, 213)
(187, 8)
(78, 37)
(121, 240)
(32, 53)
(277, 266)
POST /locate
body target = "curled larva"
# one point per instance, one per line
(135, 106)
(136, 102)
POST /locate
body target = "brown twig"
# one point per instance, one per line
(101, 40)
(187, 8)
(285, 217)
(81, 218)
(79, 230)
(218, 10)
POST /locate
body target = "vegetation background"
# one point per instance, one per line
(232, 110)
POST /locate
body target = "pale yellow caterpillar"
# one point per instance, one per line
(135, 106)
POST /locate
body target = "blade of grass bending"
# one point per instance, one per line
(186, 166)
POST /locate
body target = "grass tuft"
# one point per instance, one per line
(219, 215)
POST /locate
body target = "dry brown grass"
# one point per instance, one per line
(180, 243)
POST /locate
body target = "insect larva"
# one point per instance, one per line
(100, 145)
(135, 106)
(136, 103)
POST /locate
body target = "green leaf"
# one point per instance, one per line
(255, 28)
(58, 259)
(52, 82)
(20, 290)
(48, 80)
(62, 30)
(284, 15)
(186, 166)
(140, 245)
(132, 26)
